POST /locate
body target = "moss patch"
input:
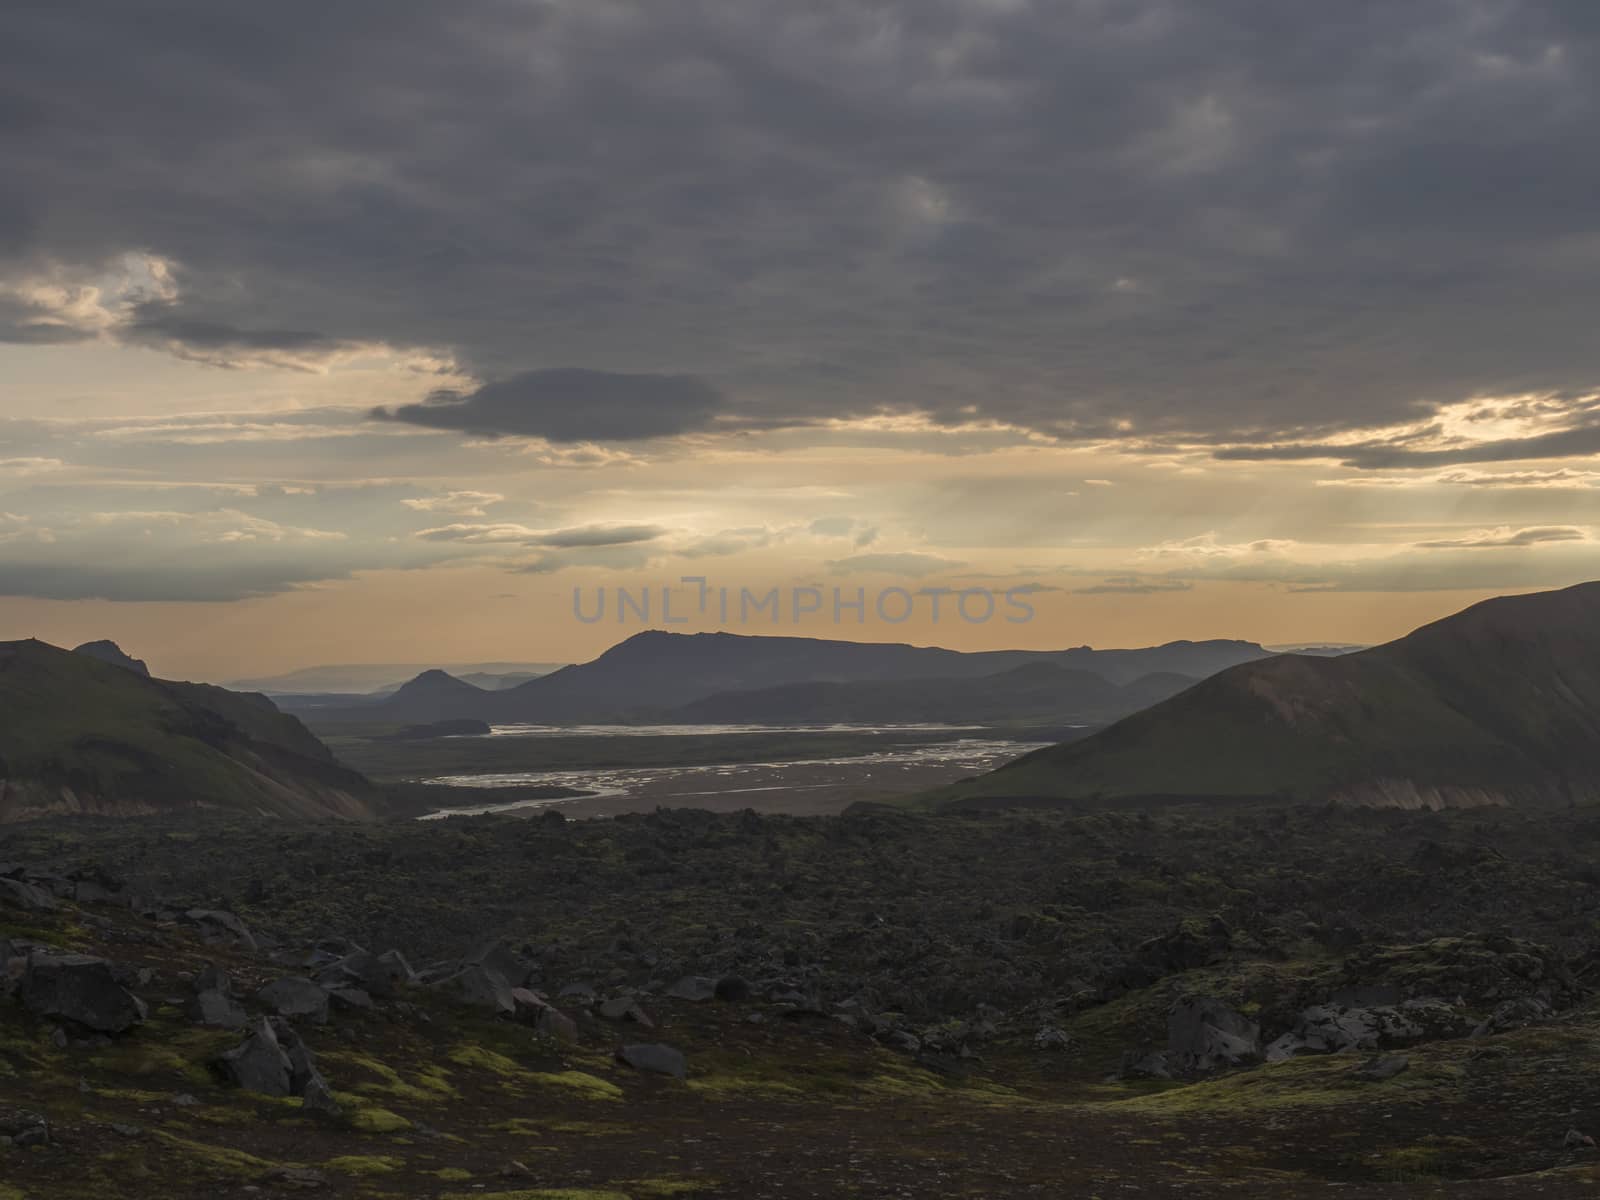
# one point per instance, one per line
(365, 1164)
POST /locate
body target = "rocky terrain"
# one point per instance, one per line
(1251, 1001)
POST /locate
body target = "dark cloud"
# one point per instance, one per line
(571, 406)
(1243, 220)
(1581, 441)
(163, 326)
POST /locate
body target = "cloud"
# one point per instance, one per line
(571, 406)
(576, 537)
(1134, 585)
(456, 504)
(1136, 223)
(1503, 537)
(904, 563)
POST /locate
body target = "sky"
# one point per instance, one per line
(383, 331)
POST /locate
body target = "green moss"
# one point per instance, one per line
(723, 1086)
(451, 1174)
(378, 1120)
(432, 1084)
(669, 1187)
(365, 1164)
(484, 1059)
(217, 1158)
(540, 1194)
(590, 1087)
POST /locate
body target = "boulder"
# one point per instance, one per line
(399, 970)
(557, 1025)
(81, 989)
(361, 970)
(258, 1064)
(733, 989)
(295, 996)
(528, 1006)
(1204, 1034)
(625, 1008)
(1514, 1014)
(24, 1128)
(318, 1099)
(350, 998)
(213, 978)
(480, 987)
(654, 1057)
(498, 956)
(25, 896)
(216, 1009)
(1330, 1028)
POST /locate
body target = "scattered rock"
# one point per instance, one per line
(79, 988)
(481, 987)
(654, 1057)
(1204, 1034)
(296, 996)
(319, 1099)
(558, 1025)
(1051, 1038)
(25, 896)
(25, 1128)
(1577, 1141)
(217, 1010)
(257, 1064)
(625, 1008)
(219, 926)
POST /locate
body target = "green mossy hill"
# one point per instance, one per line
(79, 735)
(1498, 704)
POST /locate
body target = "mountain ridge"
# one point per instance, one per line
(1496, 704)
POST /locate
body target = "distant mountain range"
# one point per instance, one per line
(87, 733)
(359, 680)
(724, 677)
(1498, 704)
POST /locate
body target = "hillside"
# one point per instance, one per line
(1037, 692)
(653, 673)
(80, 735)
(1498, 704)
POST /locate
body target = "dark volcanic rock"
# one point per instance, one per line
(258, 1064)
(216, 1009)
(654, 1057)
(733, 989)
(625, 1008)
(296, 996)
(25, 896)
(480, 987)
(79, 988)
(1204, 1034)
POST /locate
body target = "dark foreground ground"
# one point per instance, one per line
(936, 1007)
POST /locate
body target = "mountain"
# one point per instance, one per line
(357, 681)
(80, 735)
(434, 696)
(653, 673)
(1498, 704)
(1035, 692)
(110, 652)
